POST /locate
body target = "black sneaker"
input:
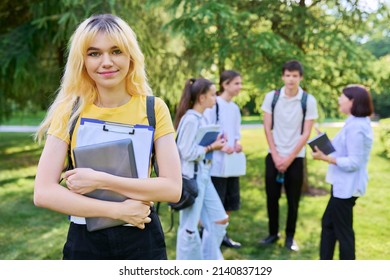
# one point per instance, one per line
(270, 239)
(291, 245)
(228, 242)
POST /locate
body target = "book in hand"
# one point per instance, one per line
(207, 135)
(234, 165)
(322, 142)
(113, 157)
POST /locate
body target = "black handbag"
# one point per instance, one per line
(189, 192)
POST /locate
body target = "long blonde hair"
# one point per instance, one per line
(76, 83)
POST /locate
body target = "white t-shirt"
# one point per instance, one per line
(229, 118)
(288, 119)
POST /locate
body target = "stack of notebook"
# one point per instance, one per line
(114, 157)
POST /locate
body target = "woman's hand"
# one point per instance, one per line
(135, 212)
(237, 147)
(81, 180)
(318, 154)
(219, 143)
(227, 149)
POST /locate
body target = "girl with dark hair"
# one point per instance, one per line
(198, 95)
(347, 172)
(227, 114)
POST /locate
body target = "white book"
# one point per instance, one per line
(234, 165)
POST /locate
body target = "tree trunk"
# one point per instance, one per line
(305, 184)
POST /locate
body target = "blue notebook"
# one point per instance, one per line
(207, 135)
(209, 138)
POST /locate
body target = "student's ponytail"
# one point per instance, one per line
(187, 101)
(192, 90)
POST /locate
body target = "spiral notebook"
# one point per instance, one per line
(113, 157)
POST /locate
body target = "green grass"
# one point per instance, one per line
(25, 118)
(28, 232)
(254, 119)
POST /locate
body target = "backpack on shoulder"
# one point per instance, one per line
(303, 105)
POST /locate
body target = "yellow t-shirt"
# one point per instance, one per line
(133, 112)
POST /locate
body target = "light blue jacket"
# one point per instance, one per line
(353, 145)
(189, 151)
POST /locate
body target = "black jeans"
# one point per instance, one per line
(293, 180)
(337, 225)
(116, 243)
(228, 190)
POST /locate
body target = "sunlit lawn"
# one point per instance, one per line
(28, 232)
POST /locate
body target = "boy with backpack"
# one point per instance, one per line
(289, 115)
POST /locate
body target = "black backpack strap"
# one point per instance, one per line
(150, 111)
(217, 111)
(303, 104)
(152, 122)
(273, 104)
(71, 130)
(304, 107)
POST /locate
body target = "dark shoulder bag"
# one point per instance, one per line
(188, 194)
(189, 190)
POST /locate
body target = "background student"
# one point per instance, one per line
(198, 94)
(287, 131)
(227, 114)
(105, 71)
(347, 172)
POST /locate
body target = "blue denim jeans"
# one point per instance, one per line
(207, 209)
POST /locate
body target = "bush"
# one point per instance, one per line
(384, 134)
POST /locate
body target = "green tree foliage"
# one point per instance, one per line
(190, 38)
(33, 48)
(378, 43)
(257, 37)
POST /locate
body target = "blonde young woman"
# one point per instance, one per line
(198, 94)
(105, 71)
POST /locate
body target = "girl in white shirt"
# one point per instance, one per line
(226, 113)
